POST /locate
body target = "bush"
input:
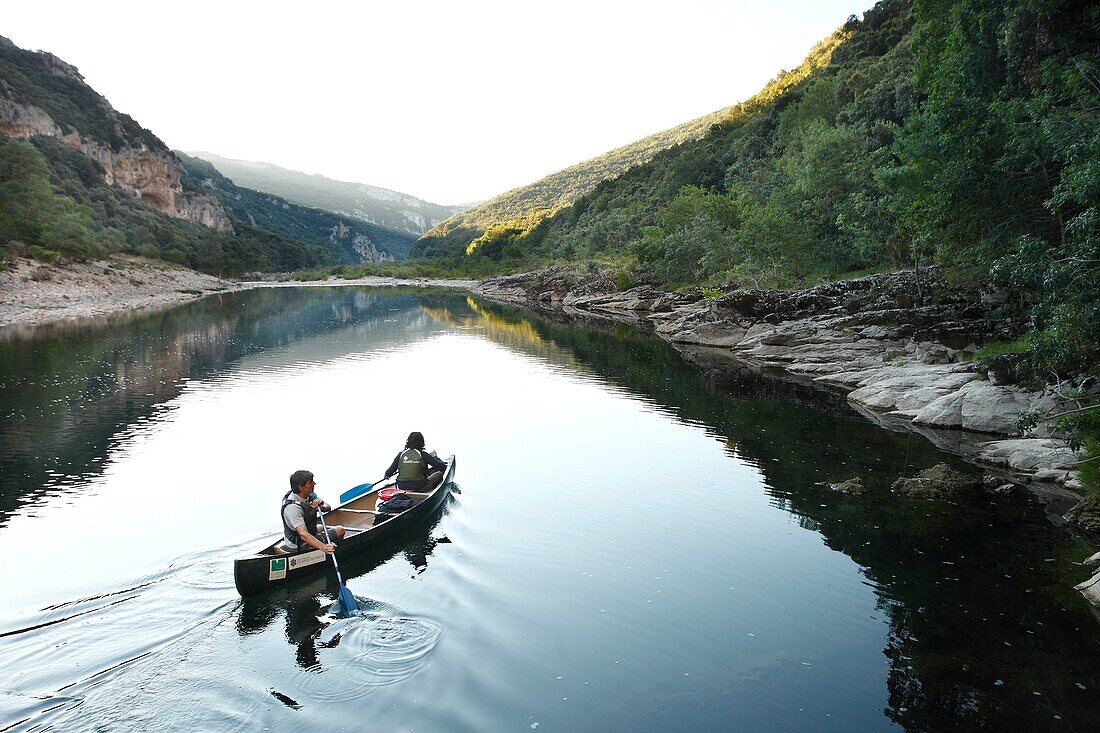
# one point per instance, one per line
(41, 253)
(624, 280)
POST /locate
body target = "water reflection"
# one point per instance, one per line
(970, 602)
(72, 391)
(305, 606)
(977, 592)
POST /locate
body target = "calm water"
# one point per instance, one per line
(635, 544)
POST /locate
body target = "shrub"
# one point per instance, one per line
(41, 253)
(623, 280)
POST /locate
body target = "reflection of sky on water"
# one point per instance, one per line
(638, 544)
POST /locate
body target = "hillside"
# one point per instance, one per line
(950, 131)
(379, 206)
(358, 241)
(519, 210)
(42, 96)
(80, 179)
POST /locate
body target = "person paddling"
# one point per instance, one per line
(416, 469)
(300, 517)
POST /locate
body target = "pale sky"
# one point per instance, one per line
(449, 101)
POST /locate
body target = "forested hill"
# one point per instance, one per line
(351, 240)
(517, 211)
(958, 131)
(79, 179)
(380, 206)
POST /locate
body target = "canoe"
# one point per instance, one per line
(271, 567)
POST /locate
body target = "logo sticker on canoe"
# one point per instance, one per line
(277, 570)
(308, 558)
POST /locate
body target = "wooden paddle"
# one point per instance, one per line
(347, 600)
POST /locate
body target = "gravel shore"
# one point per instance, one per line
(34, 293)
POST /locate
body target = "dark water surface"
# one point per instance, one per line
(636, 545)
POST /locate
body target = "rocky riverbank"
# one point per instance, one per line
(33, 293)
(897, 343)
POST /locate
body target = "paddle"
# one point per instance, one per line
(347, 600)
(357, 491)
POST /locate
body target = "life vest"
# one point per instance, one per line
(289, 533)
(411, 466)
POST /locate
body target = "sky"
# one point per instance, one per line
(452, 102)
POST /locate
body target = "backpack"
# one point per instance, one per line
(399, 502)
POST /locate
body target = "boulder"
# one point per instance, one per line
(989, 408)
(938, 482)
(1093, 561)
(980, 406)
(1085, 514)
(1090, 589)
(910, 388)
(1029, 454)
(851, 486)
(713, 333)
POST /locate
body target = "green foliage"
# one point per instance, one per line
(53, 197)
(1000, 348)
(30, 211)
(35, 78)
(1004, 159)
(552, 194)
(957, 131)
(41, 253)
(88, 218)
(624, 280)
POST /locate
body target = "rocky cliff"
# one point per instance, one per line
(41, 95)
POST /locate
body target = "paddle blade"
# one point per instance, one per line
(347, 600)
(352, 493)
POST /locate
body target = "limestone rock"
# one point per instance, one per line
(712, 333)
(978, 405)
(1093, 561)
(1090, 589)
(911, 388)
(1029, 454)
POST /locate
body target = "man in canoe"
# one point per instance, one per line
(301, 526)
(416, 469)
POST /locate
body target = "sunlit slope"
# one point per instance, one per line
(519, 210)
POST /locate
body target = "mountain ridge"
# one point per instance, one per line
(373, 204)
(520, 209)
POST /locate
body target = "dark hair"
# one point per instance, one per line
(416, 440)
(298, 479)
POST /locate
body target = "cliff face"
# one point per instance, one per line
(131, 157)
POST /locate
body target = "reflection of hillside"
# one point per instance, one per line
(509, 328)
(67, 391)
(961, 584)
(517, 335)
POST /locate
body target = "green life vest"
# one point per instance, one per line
(411, 466)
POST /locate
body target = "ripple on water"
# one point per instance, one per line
(376, 647)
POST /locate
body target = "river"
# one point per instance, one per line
(632, 544)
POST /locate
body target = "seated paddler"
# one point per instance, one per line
(416, 469)
(301, 524)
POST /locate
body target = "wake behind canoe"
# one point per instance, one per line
(272, 567)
